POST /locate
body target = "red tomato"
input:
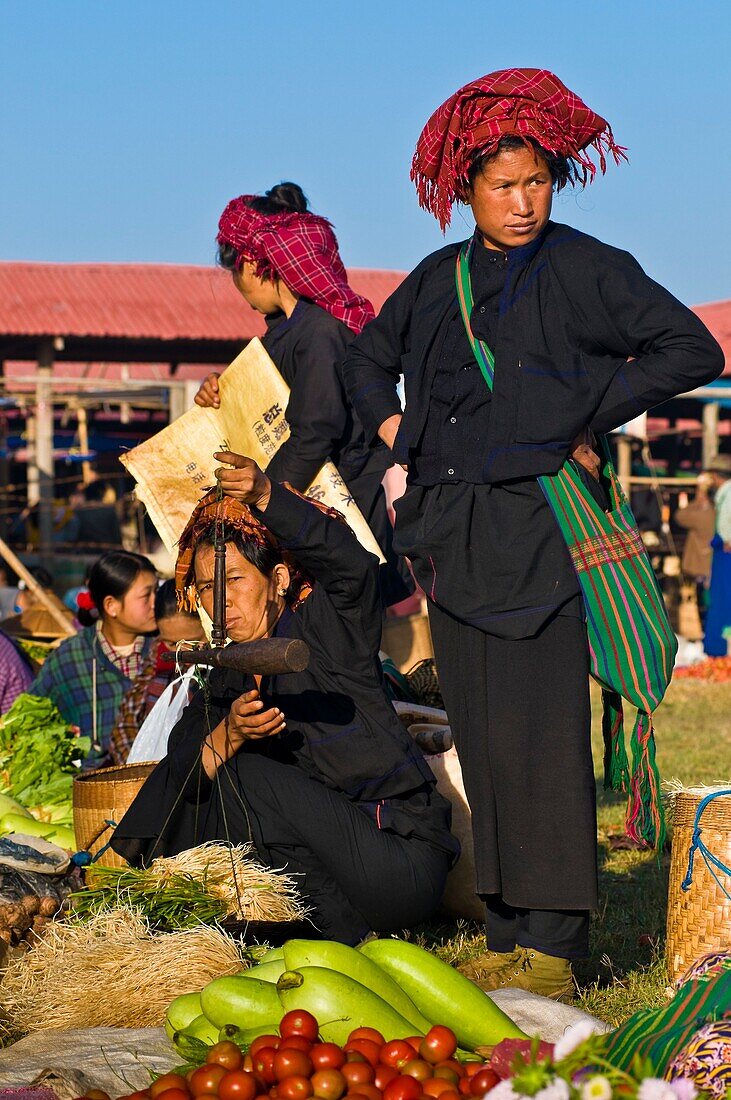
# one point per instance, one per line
(367, 1033)
(451, 1095)
(358, 1073)
(290, 1062)
(172, 1094)
(205, 1079)
(167, 1081)
(264, 1065)
(473, 1067)
(367, 1092)
(142, 1094)
(225, 1054)
(414, 1041)
(295, 1087)
(403, 1088)
(483, 1081)
(397, 1053)
(384, 1075)
(329, 1084)
(465, 1086)
(327, 1056)
(299, 1022)
(417, 1068)
(446, 1073)
(452, 1063)
(435, 1086)
(296, 1042)
(263, 1041)
(438, 1043)
(238, 1085)
(370, 1050)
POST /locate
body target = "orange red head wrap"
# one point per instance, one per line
(530, 103)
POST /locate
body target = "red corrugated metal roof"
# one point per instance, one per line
(140, 301)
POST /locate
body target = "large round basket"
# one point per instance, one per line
(101, 799)
(699, 918)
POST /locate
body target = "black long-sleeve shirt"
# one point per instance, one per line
(341, 728)
(573, 312)
(308, 349)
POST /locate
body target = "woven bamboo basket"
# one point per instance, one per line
(103, 796)
(699, 918)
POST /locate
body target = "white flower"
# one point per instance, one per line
(683, 1089)
(558, 1089)
(596, 1088)
(573, 1037)
(652, 1088)
(503, 1091)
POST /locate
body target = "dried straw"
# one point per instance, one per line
(231, 873)
(671, 788)
(111, 971)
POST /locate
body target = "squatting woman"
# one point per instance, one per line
(313, 767)
(581, 339)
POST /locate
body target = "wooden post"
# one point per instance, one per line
(15, 563)
(710, 432)
(83, 426)
(44, 451)
(31, 467)
(624, 462)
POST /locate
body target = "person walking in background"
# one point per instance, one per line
(718, 619)
(285, 263)
(698, 518)
(512, 345)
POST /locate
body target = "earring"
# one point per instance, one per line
(281, 591)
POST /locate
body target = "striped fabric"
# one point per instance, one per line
(660, 1035)
(631, 643)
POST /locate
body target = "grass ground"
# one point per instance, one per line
(626, 968)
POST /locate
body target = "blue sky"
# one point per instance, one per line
(126, 126)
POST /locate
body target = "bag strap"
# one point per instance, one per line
(480, 350)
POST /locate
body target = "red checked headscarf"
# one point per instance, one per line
(530, 103)
(300, 248)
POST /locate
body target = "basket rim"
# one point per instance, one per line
(115, 774)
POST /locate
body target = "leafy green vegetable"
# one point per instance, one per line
(37, 752)
(180, 902)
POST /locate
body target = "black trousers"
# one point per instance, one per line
(355, 877)
(520, 717)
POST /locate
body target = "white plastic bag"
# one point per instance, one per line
(151, 742)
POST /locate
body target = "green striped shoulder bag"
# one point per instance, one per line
(631, 643)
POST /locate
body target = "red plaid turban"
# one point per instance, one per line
(300, 248)
(532, 103)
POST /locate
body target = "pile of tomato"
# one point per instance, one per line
(296, 1065)
(715, 670)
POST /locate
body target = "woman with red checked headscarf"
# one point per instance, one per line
(285, 263)
(572, 336)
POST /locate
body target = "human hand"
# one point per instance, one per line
(248, 721)
(582, 451)
(208, 396)
(389, 430)
(246, 482)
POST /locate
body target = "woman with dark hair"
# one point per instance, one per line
(89, 674)
(295, 762)
(285, 263)
(174, 626)
(572, 336)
